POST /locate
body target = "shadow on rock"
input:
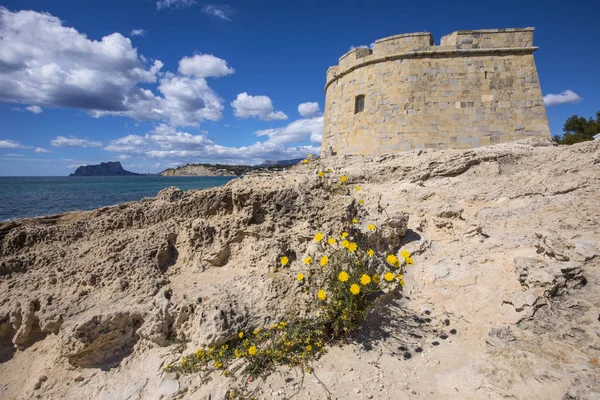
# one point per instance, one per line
(407, 332)
(106, 340)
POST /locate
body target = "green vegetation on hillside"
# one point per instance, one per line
(578, 129)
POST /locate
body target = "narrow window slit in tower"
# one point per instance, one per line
(485, 74)
(359, 103)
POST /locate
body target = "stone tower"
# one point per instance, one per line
(476, 88)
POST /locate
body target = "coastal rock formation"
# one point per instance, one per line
(227, 170)
(197, 170)
(111, 168)
(502, 300)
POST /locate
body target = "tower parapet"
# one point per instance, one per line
(477, 87)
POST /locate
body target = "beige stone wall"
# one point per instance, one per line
(476, 88)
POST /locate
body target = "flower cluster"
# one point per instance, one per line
(346, 275)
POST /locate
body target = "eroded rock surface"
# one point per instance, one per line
(503, 300)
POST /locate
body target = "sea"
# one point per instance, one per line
(38, 196)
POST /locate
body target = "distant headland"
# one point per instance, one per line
(227, 170)
(114, 168)
(111, 168)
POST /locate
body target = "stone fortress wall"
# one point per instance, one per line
(476, 88)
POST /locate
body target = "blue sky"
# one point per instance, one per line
(157, 83)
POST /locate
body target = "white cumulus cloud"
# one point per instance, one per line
(160, 4)
(138, 32)
(11, 144)
(130, 144)
(246, 106)
(41, 150)
(72, 141)
(34, 109)
(220, 11)
(204, 66)
(174, 146)
(296, 132)
(45, 63)
(568, 96)
(309, 109)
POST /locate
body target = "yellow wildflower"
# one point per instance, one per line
(370, 252)
(324, 261)
(252, 350)
(393, 260)
(309, 348)
(241, 335)
(307, 260)
(331, 241)
(344, 234)
(329, 170)
(284, 261)
(256, 331)
(357, 188)
(361, 202)
(309, 155)
(300, 277)
(352, 247)
(305, 161)
(355, 221)
(322, 295)
(321, 174)
(318, 237)
(402, 283)
(237, 353)
(409, 261)
(365, 279)
(345, 243)
(376, 279)
(389, 276)
(344, 178)
(343, 276)
(399, 277)
(354, 289)
(371, 227)
(405, 253)
(218, 364)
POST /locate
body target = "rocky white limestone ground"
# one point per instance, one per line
(503, 300)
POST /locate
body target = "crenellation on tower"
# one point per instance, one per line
(490, 38)
(477, 87)
(403, 42)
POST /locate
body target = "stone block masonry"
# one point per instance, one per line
(476, 88)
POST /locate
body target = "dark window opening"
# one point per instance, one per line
(485, 74)
(359, 104)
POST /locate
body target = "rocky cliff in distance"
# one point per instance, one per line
(227, 170)
(197, 170)
(502, 301)
(111, 168)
